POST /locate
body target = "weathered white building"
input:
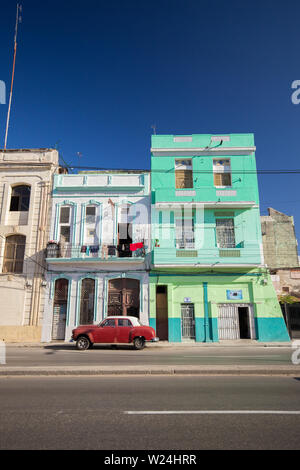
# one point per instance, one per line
(25, 192)
(99, 250)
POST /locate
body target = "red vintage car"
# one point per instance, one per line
(114, 330)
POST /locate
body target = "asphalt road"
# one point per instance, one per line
(198, 413)
(125, 355)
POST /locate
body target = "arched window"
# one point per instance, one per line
(14, 254)
(20, 198)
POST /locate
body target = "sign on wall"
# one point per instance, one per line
(234, 294)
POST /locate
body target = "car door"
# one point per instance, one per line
(106, 331)
(123, 330)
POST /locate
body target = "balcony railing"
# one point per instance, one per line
(70, 250)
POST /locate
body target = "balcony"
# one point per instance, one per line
(208, 197)
(70, 253)
(242, 255)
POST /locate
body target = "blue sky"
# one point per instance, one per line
(94, 76)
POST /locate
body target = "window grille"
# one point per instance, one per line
(225, 233)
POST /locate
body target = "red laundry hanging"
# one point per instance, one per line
(136, 246)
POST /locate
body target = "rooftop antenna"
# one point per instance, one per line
(154, 128)
(18, 20)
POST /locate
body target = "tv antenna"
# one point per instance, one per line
(18, 20)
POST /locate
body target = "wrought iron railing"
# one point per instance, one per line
(70, 250)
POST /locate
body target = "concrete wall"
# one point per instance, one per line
(279, 240)
(22, 295)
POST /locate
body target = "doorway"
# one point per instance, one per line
(124, 240)
(124, 297)
(162, 327)
(244, 326)
(87, 301)
(60, 305)
(187, 322)
(236, 321)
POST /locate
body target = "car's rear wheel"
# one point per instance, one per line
(83, 343)
(139, 343)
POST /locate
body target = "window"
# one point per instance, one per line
(110, 323)
(64, 215)
(185, 233)
(65, 225)
(225, 233)
(183, 174)
(90, 215)
(20, 198)
(222, 173)
(14, 254)
(124, 322)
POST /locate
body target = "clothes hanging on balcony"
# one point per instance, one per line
(83, 249)
(104, 253)
(112, 250)
(94, 248)
(135, 246)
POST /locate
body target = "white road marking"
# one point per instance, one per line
(248, 357)
(211, 412)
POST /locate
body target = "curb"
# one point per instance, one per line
(177, 370)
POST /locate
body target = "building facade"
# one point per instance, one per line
(281, 257)
(26, 185)
(98, 255)
(208, 280)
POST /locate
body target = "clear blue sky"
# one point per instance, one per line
(94, 76)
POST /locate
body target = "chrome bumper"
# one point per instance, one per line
(154, 340)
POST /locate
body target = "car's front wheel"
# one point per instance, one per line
(83, 343)
(139, 343)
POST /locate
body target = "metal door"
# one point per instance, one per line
(59, 321)
(187, 321)
(228, 322)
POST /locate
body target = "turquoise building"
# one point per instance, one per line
(208, 280)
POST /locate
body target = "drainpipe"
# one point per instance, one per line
(207, 338)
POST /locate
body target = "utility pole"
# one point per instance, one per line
(18, 20)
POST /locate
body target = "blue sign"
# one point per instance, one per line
(234, 294)
(187, 300)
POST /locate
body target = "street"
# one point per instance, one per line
(68, 355)
(100, 413)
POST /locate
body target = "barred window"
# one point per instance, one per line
(185, 238)
(14, 254)
(225, 233)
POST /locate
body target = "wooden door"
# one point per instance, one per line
(162, 328)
